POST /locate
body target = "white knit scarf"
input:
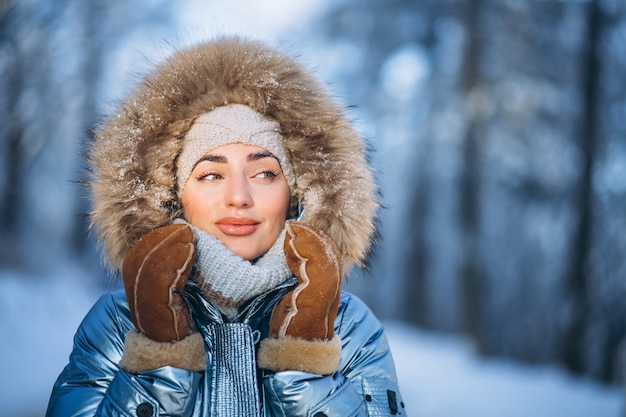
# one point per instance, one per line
(229, 280)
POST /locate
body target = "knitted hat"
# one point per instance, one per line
(234, 123)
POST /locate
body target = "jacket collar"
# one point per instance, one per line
(205, 311)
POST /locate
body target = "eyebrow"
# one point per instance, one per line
(212, 158)
(221, 159)
(260, 155)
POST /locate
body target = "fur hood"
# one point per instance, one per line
(134, 153)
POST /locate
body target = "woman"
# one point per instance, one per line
(232, 194)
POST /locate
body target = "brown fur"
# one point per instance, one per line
(314, 356)
(142, 353)
(133, 155)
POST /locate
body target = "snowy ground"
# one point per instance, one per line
(439, 375)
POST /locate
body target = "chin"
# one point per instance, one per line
(248, 249)
(246, 254)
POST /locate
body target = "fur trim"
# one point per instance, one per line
(134, 153)
(142, 353)
(290, 353)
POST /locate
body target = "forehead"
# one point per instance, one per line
(237, 149)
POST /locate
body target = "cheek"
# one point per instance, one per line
(282, 202)
(187, 203)
(276, 205)
(195, 206)
(189, 211)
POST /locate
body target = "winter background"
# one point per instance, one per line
(497, 130)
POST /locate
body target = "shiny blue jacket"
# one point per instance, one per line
(93, 384)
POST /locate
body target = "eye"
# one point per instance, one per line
(266, 175)
(209, 176)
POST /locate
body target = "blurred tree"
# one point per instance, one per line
(383, 41)
(577, 294)
(602, 350)
(470, 273)
(58, 57)
(24, 44)
(501, 231)
(11, 86)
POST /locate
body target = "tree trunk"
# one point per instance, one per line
(10, 194)
(469, 187)
(576, 280)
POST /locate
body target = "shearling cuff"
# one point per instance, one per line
(142, 353)
(291, 353)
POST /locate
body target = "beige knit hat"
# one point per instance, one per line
(234, 123)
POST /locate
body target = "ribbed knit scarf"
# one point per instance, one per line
(228, 280)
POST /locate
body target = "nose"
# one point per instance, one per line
(238, 192)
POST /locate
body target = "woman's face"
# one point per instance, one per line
(239, 194)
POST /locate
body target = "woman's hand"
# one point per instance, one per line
(154, 270)
(301, 334)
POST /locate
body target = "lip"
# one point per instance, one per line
(237, 226)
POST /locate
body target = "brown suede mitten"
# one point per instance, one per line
(301, 335)
(154, 270)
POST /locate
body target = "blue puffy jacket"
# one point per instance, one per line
(93, 384)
